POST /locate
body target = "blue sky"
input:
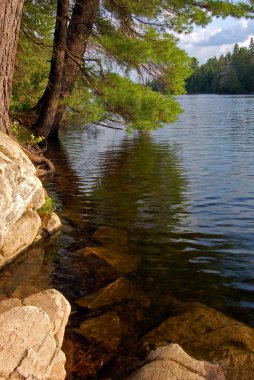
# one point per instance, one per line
(217, 38)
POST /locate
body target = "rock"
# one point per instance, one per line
(104, 330)
(57, 367)
(97, 268)
(209, 335)
(110, 236)
(22, 330)
(20, 189)
(119, 259)
(25, 290)
(54, 224)
(27, 277)
(71, 347)
(31, 336)
(57, 308)
(21, 234)
(172, 363)
(117, 291)
(21, 194)
(9, 304)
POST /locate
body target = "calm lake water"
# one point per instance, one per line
(184, 194)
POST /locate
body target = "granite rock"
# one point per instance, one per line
(172, 363)
(31, 334)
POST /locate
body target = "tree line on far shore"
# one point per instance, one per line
(232, 73)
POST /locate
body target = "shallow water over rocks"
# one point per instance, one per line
(170, 212)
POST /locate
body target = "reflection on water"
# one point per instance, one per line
(183, 194)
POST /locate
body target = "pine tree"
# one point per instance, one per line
(250, 67)
(128, 38)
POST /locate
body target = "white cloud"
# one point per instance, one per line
(217, 38)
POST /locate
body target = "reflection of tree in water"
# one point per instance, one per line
(140, 188)
(65, 186)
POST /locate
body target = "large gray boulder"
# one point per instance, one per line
(31, 335)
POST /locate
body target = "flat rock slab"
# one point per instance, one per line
(172, 363)
(117, 291)
(104, 330)
(209, 335)
(119, 259)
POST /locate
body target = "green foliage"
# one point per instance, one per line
(84, 103)
(36, 139)
(230, 74)
(15, 127)
(23, 134)
(132, 43)
(48, 208)
(34, 54)
(153, 55)
(140, 107)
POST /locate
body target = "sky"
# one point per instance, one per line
(217, 38)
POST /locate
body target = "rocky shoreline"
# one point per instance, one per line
(116, 330)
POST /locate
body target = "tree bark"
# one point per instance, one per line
(77, 37)
(10, 17)
(48, 104)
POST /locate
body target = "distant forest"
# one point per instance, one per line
(232, 73)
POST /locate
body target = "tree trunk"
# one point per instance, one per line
(48, 104)
(10, 17)
(78, 34)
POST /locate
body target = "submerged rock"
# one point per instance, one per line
(31, 334)
(172, 363)
(104, 330)
(26, 277)
(210, 335)
(110, 236)
(119, 259)
(117, 291)
(95, 268)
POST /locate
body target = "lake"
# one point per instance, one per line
(183, 196)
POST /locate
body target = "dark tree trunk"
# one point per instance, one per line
(48, 104)
(77, 37)
(10, 17)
